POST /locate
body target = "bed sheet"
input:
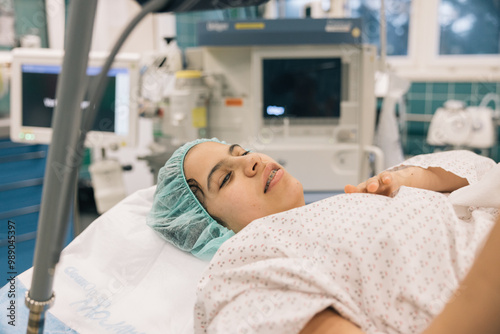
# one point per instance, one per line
(117, 276)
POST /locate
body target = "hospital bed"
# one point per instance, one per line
(118, 276)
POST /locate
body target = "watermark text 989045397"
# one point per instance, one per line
(11, 272)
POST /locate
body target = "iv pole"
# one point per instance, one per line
(61, 159)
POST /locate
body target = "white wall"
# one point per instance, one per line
(112, 17)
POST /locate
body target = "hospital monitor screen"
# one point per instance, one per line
(35, 75)
(302, 88)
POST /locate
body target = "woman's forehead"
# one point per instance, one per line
(200, 158)
(206, 148)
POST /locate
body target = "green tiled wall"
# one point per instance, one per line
(426, 97)
(31, 19)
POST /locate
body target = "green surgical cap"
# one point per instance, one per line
(177, 215)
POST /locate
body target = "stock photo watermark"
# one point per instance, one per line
(11, 272)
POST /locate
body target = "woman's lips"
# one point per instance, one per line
(272, 174)
(269, 179)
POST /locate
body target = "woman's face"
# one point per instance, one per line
(240, 186)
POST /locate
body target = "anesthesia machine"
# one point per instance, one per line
(299, 90)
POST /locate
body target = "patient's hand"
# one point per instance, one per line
(386, 183)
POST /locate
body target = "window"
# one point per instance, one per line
(469, 27)
(397, 14)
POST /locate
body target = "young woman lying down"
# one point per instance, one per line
(389, 256)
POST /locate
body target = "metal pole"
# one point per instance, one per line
(62, 159)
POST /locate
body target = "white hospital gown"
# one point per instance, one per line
(389, 265)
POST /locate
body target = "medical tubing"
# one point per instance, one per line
(58, 181)
(487, 99)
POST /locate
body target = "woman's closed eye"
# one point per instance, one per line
(227, 177)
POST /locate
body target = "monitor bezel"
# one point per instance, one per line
(350, 57)
(43, 135)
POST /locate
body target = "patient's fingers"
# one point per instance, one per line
(372, 185)
(351, 189)
(386, 178)
(382, 184)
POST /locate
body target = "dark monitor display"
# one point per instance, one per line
(34, 79)
(302, 88)
(39, 96)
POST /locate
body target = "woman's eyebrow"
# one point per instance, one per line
(219, 164)
(232, 147)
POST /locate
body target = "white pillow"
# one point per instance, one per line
(118, 274)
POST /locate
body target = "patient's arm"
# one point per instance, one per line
(475, 307)
(388, 182)
(330, 322)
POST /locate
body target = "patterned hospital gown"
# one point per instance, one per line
(389, 265)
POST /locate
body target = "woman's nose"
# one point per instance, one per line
(251, 164)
